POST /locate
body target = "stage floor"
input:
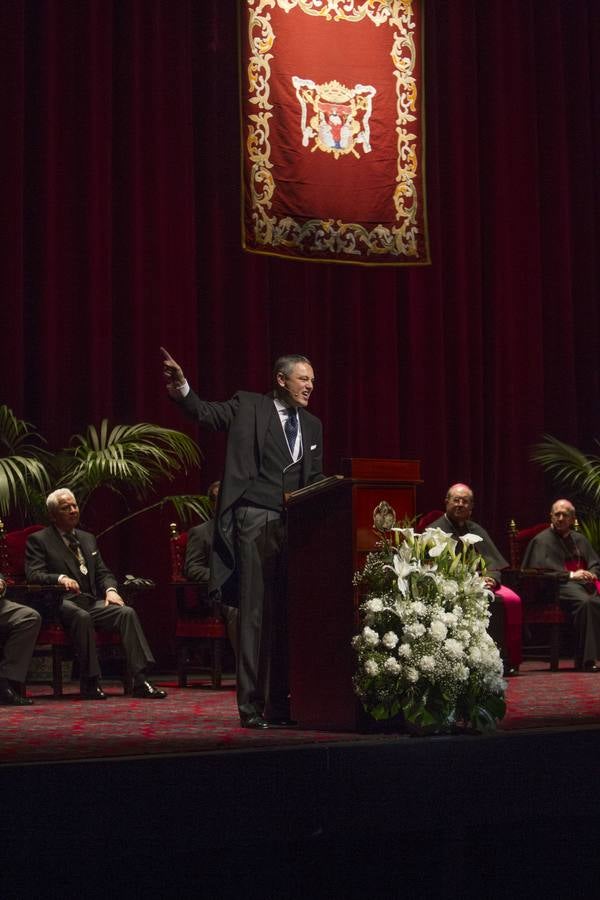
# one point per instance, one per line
(156, 799)
(199, 719)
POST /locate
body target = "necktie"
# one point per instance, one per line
(291, 427)
(76, 549)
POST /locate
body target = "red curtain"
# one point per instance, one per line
(120, 232)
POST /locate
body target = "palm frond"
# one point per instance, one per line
(19, 476)
(132, 456)
(186, 506)
(570, 466)
(590, 527)
(18, 437)
(22, 462)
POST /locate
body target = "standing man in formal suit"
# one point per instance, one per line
(561, 548)
(196, 566)
(274, 445)
(506, 614)
(65, 555)
(19, 628)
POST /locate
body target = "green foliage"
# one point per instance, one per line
(129, 460)
(570, 467)
(23, 462)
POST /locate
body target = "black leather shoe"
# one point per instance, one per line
(9, 697)
(590, 666)
(93, 693)
(148, 692)
(253, 721)
(282, 722)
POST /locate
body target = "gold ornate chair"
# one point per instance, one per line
(542, 610)
(197, 630)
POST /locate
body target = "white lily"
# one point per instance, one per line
(403, 566)
(408, 533)
(440, 540)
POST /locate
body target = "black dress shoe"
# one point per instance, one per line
(590, 666)
(253, 721)
(94, 692)
(148, 692)
(282, 722)
(9, 697)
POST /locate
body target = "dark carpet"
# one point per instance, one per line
(198, 719)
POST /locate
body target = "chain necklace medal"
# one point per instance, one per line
(81, 561)
(75, 547)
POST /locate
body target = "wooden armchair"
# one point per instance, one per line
(197, 628)
(539, 590)
(53, 641)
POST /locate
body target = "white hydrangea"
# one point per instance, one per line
(412, 675)
(392, 665)
(475, 654)
(371, 667)
(438, 630)
(404, 650)
(415, 630)
(375, 604)
(427, 664)
(449, 619)
(370, 636)
(453, 648)
(389, 640)
(418, 608)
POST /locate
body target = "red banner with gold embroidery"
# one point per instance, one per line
(333, 130)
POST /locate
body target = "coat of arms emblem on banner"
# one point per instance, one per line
(339, 116)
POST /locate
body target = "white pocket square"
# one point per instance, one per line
(313, 446)
(94, 553)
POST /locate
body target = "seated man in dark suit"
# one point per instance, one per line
(64, 554)
(196, 566)
(505, 620)
(560, 548)
(19, 628)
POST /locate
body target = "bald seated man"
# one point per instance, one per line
(561, 548)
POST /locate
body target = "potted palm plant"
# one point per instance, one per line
(128, 460)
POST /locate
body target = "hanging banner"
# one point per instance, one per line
(333, 130)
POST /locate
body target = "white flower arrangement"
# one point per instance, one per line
(424, 650)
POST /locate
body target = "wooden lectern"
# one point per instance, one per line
(330, 532)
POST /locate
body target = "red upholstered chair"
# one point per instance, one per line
(53, 641)
(196, 629)
(426, 519)
(542, 611)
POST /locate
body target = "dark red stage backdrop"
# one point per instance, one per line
(120, 230)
